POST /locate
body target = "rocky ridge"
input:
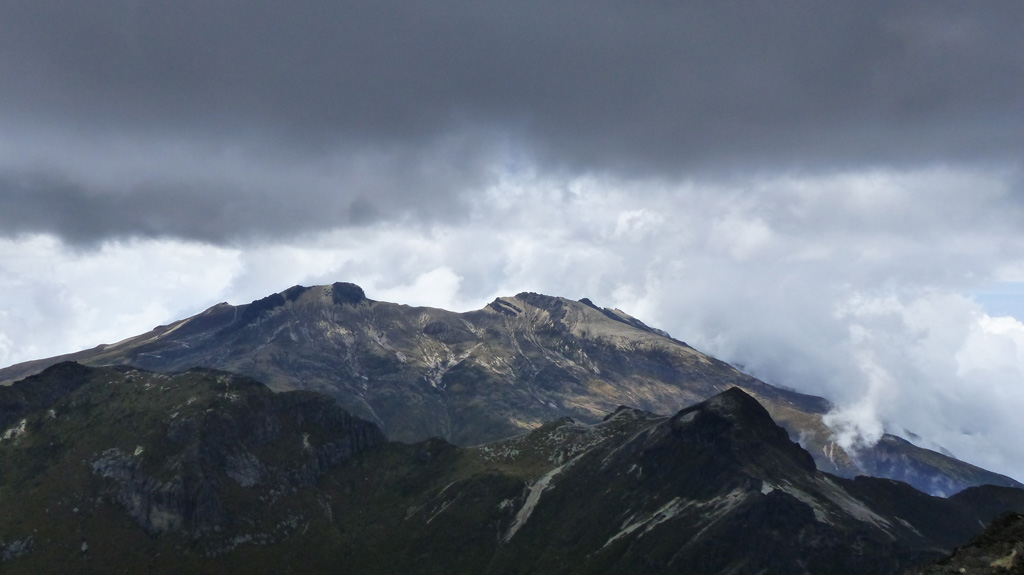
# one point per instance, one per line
(488, 374)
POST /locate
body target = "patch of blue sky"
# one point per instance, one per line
(1001, 299)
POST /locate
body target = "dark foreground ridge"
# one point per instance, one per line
(999, 550)
(124, 470)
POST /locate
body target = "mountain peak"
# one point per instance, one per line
(347, 293)
(738, 422)
(733, 404)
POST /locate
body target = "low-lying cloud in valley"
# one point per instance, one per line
(814, 193)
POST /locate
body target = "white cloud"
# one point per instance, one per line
(635, 225)
(57, 300)
(993, 344)
(942, 369)
(435, 288)
(741, 237)
(857, 425)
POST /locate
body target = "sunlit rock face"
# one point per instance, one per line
(489, 374)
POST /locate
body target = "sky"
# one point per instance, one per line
(830, 196)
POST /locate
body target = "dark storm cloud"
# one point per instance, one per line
(36, 204)
(658, 89)
(218, 196)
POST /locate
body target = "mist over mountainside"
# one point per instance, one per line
(489, 374)
(118, 469)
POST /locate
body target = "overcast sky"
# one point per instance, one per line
(829, 195)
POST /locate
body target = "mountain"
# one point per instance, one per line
(489, 374)
(121, 470)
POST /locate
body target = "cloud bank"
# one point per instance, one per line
(224, 120)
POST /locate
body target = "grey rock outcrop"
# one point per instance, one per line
(15, 549)
(207, 449)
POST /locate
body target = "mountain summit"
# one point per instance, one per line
(488, 374)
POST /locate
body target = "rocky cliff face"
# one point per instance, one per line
(489, 374)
